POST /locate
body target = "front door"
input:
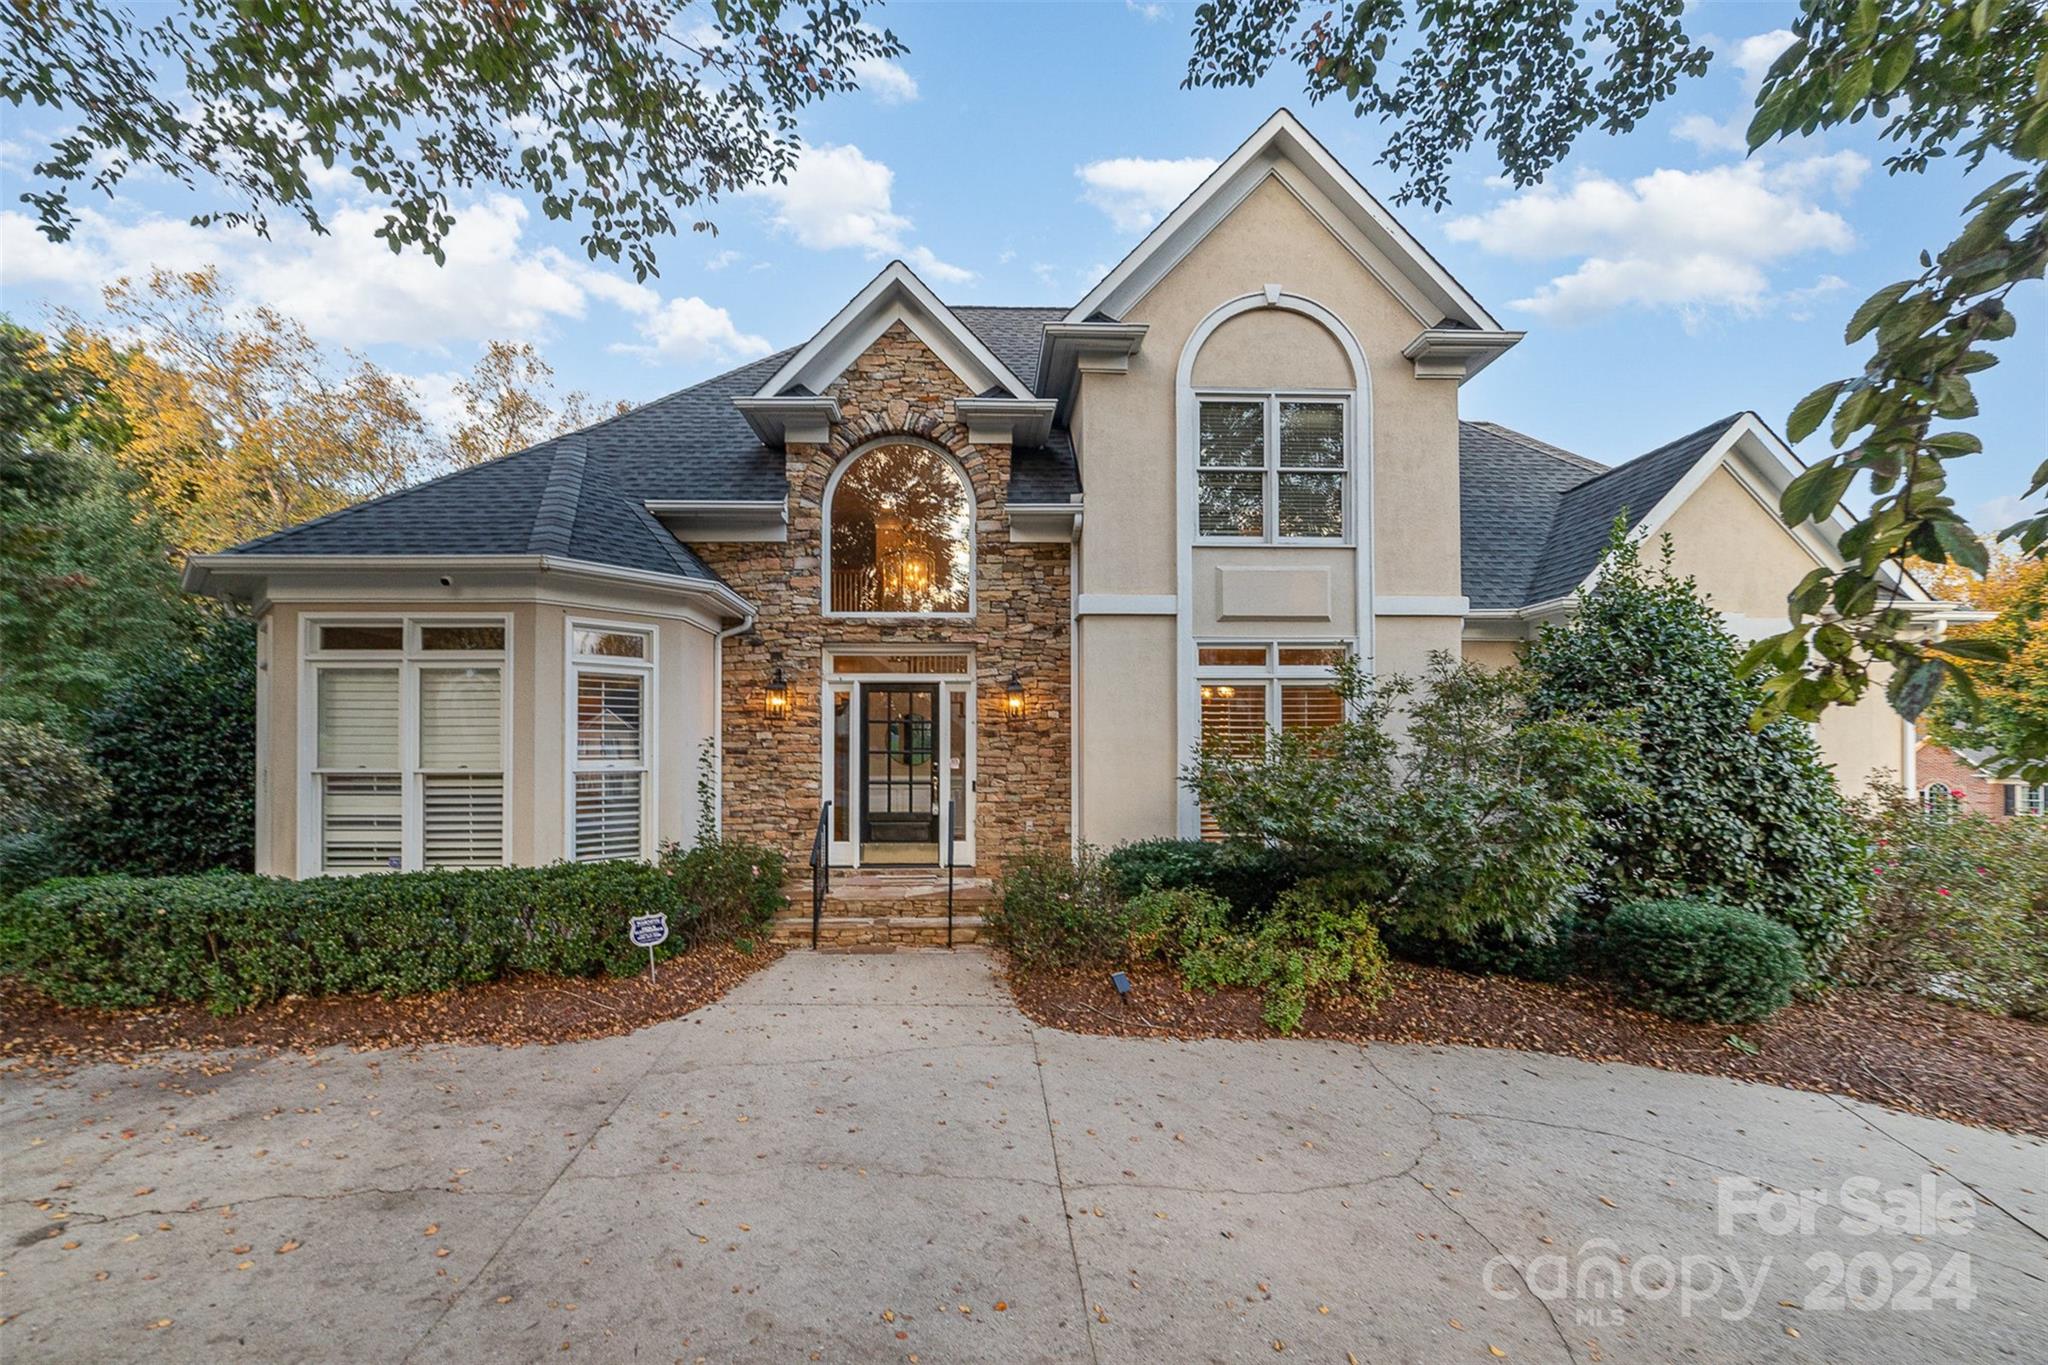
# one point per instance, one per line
(900, 779)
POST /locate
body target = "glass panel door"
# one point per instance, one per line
(899, 773)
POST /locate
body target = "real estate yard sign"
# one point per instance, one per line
(648, 931)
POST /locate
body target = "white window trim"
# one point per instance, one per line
(846, 852)
(1187, 720)
(1271, 469)
(409, 659)
(1272, 675)
(825, 534)
(648, 669)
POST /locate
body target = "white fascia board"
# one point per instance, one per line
(1020, 421)
(852, 330)
(718, 522)
(1068, 346)
(210, 574)
(1282, 136)
(1457, 352)
(780, 420)
(1045, 523)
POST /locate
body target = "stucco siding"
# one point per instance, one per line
(1128, 778)
(1491, 653)
(1742, 556)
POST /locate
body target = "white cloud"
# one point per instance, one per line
(1150, 13)
(1751, 57)
(921, 259)
(1995, 514)
(885, 80)
(1137, 191)
(838, 197)
(689, 329)
(1690, 241)
(348, 288)
(723, 259)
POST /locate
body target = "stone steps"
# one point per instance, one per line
(882, 910)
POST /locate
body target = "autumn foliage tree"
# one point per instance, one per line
(509, 403)
(2012, 692)
(235, 421)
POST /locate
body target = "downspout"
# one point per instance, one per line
(718, 706)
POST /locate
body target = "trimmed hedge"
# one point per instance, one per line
(230, 941)
(1702, 962)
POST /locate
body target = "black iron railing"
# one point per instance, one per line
(821, 869)
(952, 814)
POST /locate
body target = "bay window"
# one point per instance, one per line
(1270, 468)
(408, 743)
(611, 673)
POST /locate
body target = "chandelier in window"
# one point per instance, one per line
(908, 571)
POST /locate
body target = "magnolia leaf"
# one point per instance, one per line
(1962, 546)
(1914, 685)
(1813, 495)
(1806, 417)
(1866, 315)
(1975, 648)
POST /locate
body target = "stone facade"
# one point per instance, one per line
(1022, 620)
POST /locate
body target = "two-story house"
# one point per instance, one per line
(948, 582)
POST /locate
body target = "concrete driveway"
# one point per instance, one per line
(878, 1158)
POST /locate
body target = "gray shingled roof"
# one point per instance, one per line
(1536, 517)
(581, 495)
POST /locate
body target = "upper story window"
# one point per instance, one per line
(1270, 468)
(899, 534)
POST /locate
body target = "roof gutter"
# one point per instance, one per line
(212, 574)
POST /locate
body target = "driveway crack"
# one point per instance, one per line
(1066, 1209)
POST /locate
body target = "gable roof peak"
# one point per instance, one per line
(1284, 137)
(895, 294)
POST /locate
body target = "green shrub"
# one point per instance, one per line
(1448, 812)
(229, 941)
(1248, 876)
(177, 746)
(44, 780)
(1316, 942)
(1722, 812)
(1053, 910)
(1548, 955)
(1957, 908)
(734, 886)
(1700, 961)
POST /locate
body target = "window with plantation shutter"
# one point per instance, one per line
(1233, 719)
(462, 820)
(1309, 708)
(609, 743)
(1247, 689)
(361, 822)
(1271, 468)
(408, 753)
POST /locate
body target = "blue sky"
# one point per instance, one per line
(1018, 150)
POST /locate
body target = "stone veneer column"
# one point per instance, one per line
(773, 768)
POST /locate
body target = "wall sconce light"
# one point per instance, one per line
(777, 698)
(1013, 694)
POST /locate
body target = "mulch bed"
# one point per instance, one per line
(37, 1034)
(1902, 1051)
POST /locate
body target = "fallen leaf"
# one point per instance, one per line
(1608, 1202)
(69, 1246)
(431, 1229)
(245, 1265)
(287, 1247)
(1497, 1351)
(1002, 1306)
(504, 1298)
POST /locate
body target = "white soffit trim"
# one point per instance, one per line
(211, 574)
(1282, 136)
(895, 295)
(716, 522)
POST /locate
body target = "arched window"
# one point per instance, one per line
(899, 534)
(1939, 800)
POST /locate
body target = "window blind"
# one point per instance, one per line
(607, 816)
(360, 821)
(358, 722)
(1310, 708)
(1234, 435)
(608, 717)
(464, 820)
(459, 719)
(1233, 718)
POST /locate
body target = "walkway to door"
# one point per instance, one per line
(866, 1159)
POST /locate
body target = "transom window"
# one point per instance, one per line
(1249, 690)
(408, 762)
(1269, 468)
(612, 671)
(899, 534)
